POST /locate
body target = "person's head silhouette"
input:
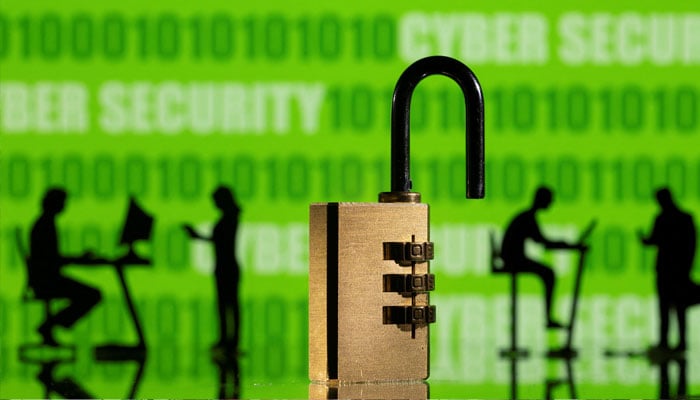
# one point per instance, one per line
(663, 196)
(54, 201)
(543, 198)
(224, 199)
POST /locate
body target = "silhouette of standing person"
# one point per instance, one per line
(226, 269)
(45, 264)
(522, 227)
(674, 237)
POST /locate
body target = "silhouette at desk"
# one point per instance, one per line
(226, 269)
(45, 264)
(522, 227)
(674, 237)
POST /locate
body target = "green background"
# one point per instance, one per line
(604, 133)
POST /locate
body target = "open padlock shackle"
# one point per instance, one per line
(400, 121)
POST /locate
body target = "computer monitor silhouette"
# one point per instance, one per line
(137, 226)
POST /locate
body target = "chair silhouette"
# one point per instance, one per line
(29, 295)
(498, 267)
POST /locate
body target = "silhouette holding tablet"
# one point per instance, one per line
(226, 269)
(674, 236)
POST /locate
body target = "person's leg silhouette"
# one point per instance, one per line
(548, 279)
(82, 298)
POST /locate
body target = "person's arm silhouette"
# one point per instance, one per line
(653, 238)
(192, 233)
(538, 237)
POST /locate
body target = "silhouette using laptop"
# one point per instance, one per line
(522, 227)
(45, 269)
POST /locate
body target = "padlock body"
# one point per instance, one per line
(348, 339)
(412, 390)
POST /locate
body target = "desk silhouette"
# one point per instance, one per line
(122, 351)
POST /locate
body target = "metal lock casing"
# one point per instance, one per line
(413, 390)
(368, 312)
(349, 340)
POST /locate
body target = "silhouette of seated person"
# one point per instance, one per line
(522, 227)
(45, 270)
(674, 237)
(226, 269)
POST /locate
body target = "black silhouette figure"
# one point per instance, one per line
(45, 262)
(674, 237)
(665, 385)
(229, 378)
(226, 269)
(522, 227)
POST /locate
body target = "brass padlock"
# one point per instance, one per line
(369, 274)
(408, 390)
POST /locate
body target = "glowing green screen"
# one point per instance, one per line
(289, 104)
